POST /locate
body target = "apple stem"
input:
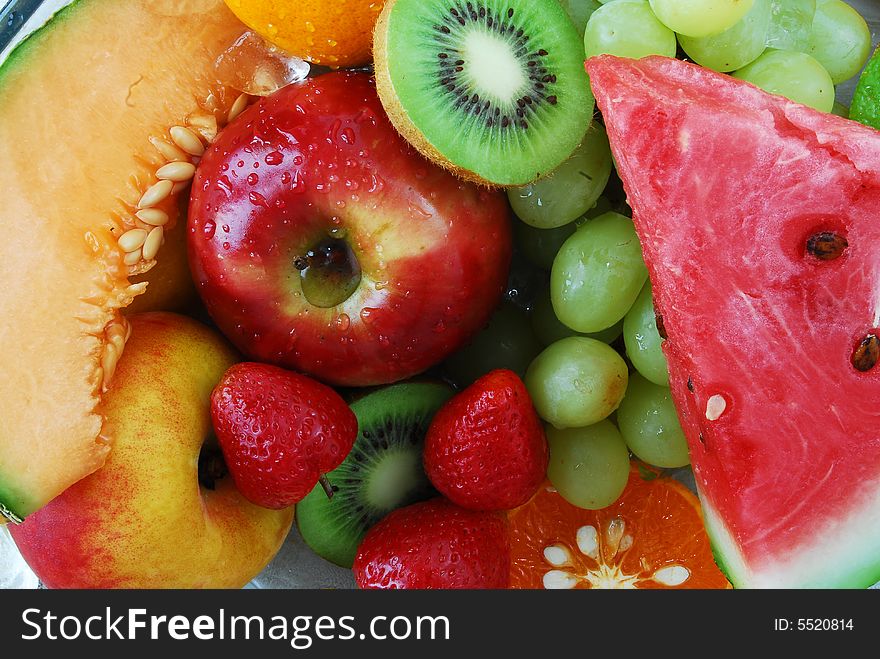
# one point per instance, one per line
(325, 483)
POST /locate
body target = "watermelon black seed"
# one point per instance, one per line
(690, 385)
(661, 327)
(866, 354)
(827, 245)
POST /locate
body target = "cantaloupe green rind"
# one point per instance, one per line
(15, 505)
(843, 556)
(10, 505)
(19, 54)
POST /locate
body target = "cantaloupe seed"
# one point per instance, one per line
(153, 243)
(155, 194)
(187, 140)
(140, 244)
(176, 171)
(153, 216)
(132, 240)
(239, 106)
(168, 151)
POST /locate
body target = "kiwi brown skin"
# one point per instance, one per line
(398, 115)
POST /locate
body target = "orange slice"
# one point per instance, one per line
(338, 33)
(652, 537)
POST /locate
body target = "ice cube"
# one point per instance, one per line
(256, 67)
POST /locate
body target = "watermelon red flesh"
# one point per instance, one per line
(727, 183)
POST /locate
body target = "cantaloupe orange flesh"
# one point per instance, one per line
(78, 103)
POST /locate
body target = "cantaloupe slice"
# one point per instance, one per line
(80, 102)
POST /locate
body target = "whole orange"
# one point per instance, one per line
(335, 34)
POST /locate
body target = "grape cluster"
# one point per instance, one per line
(589, 347)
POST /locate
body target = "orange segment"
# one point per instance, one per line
(336, 34)
(652, 537)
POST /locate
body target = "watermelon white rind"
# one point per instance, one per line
(840, 557)
(727, 185)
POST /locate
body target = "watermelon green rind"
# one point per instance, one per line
(835, 560)
(727, 183)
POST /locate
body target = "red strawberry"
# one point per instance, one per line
(279, 431)
(435, 544)
(486, 449)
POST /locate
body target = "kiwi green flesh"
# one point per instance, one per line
(496, 87)
(383, 471)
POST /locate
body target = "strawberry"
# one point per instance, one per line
(435, 544)
(486, 449)
(279, 432)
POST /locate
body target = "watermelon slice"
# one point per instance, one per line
(760, 223)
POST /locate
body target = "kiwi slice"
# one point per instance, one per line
(383, 471)
(494, 90)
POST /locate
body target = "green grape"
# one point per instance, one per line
(700, 18)
(576, 382)
(598, 274)
(627, 28)
(649, 424)
(840, 110)
(589, 467)
(508, 341)
(735, 47)
(570, 190)
(791, 22)
(579, 11)
(840, 40)
(796, 76)
(540, 246)
(549, 329)
(643, 341)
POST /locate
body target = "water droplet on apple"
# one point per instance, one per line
(367, 315)
(253, 179)
(274, 158)
(343, 322)
(347, 135)
(257, 199)
(208, 229)
(377, 184)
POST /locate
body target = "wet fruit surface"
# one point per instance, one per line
(435, 544)
(279, 431)
(422, 258)
(486, 448)
(652, 537)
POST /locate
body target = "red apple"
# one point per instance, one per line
(322, 242)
